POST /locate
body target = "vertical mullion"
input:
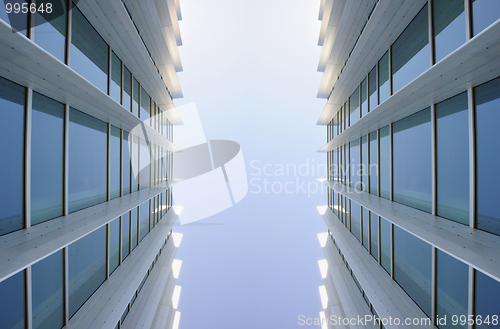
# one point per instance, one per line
(28, 298)
(391, 87)
(472, 158)
(121, 163)
(108, 163)
(67, 52)
(434, 158)
(368, 105)
(120, 241)
(107, 249)
(378, 162)
(28, 116)
(130, 232)
(391, 163)
(109, 70)
(472, 294)
(432, 41)
(122, 71)
(379, 238)
(391, 247)
(66, 161)
(66, 285)
(469, 27)
(30, 31)
(434, 285)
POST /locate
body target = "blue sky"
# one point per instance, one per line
(251, 69)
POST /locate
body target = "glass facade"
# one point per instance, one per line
(354, 111)
(385, 244)
(356, 220)
(50, 31)
(114, 244)
(372, 88)
(145, 107)
(354, 169)
(385, 162)
(125, 218)
(12, 302)
(374, 237)
(373, 162)
(143, 220)
(485, 13)
(366, 227)
(114, 162)
(487, 292)
(134, 227)
(364, 163)
(115, 86)
(384, 86)
(364, 97)
(126, 163)
(449, 26)
(127, 89)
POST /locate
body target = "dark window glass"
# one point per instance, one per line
(373, 163)
(3, 15)
(126, 163)
(115, 89)
(134, 227)
(46, 159)
(364, 163)
(114, 244)
(50, 30)
(354, 107)
(135, 97)
(374, 235)
(383, 77)
(485, 13)
(114, 162)
(87, 267)
(144, 165)
(412, 161)
(366, 227)
(346, 115)
(125, 234)
(145, 107)
(143, 220)
(356, 220)
(11, 161)
(372, 92)
(410, 52)
(127, 89)
(452, 289)
(449, 26)
(20, 21)
(89, 52)
(453, 159)
(412, 267)
(488, 154)
(385, 160)
(87, 160)
(487, 292)
(385, 244)
(47, 289)
(355, 180)
(135, 163)
(12, 301)
(364, 97)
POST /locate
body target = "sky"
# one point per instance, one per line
(251, 69)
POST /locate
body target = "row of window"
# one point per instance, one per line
(89, 58)
(408, 56)
(133, 164)
(411, 260)
(406, 147)
(90, 260)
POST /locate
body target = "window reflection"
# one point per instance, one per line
(449, 26)
(372, 77)
(114, 162)
(385, 160)
(12, 302)
(355, 180)
(485, 13)
(385, 244)
(383, 77)
(114, 244)
(50, 31)
(143, 220)
(115, 87)
(487, 292)
(354, 107)
(125, 234)
(356, 220)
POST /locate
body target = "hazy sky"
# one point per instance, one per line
(251, 69)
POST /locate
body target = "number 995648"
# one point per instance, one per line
(32, 8)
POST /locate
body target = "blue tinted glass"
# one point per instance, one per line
(373, 163)
(372, 85)
(488, 153)
(89, 52)
(46, 159)
(452, 289)
(412, 267)
(135, 163)
(115, 87)
(487, 292)
(3, 15)
(356, 220)
(354, 169)
(127, 88)
(364, 97)
(126, 163)
(449, 26)
(20, 22)
(374, 235)
(143, 220)
(354, 107)
(385, 244)
(114, 162)
(145, 107)
(125, 235)
(366, 227)
(86, 267)
(484, 12)
(364, 163)
(412, 161)
(12, 302)
(87, 160)
(453, 159)
(47, 289)
(383, 77)
(114, 244)
(134, 227)
(50, 31)
(11, 161)
(385, 160)
(410, 52)
(135, 97)
(144, 165)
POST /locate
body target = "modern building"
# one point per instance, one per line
(86, 217)
(413, 90)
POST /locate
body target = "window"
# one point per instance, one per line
(366, 227)
(145, 108)
(143, 220)
(487, 292)
(485, 13)
(12, 301)
(354, 111)
(364, 163)
(114, 162)
(374, 235)
(383, 78)
(135, 98)
(125, 234)
(50, 30)
(356, 220)
(127, 89)
(410, 52)
(126, 163)
(134, 227)
(46, 159)
(115, 88)
(144, 165)
(114, 244)
(135, 163)
(373, 163)
(364, 97)
(354, 169)
(372, 85)
(385, 161)
(385, 244)
(449, 26)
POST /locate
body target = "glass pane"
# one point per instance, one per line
(364, 163)
(126, 163)
(356, 220)
(374, 235)
(410, 52)
(135, 162)
(89, 52)
(364, 97)
(366, 227)
(116, 77)
(144, 165)
(385, 160)
(3, 15)
(453, 159)
(143, 220)
(355, 165)
(114, 162)
(145, 107)
(47, 289)
(134, 227)
(373, 163)
(452, 289)
(412, 161)
(11, 161)
(87, 160)
(46, 159)
(412, 267)
(383, 77)
(347, 217)
(125, 234)
(87, 267)
(354, 107)
(114, 244)
(346, 115)
(488, 153)
(484, 12)
(12, 302)
(372, 76)
(135, 98)
(487, 292)
(19, 22)
(50, 30)
(127, 88)
(385, 244)
(449, 26)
